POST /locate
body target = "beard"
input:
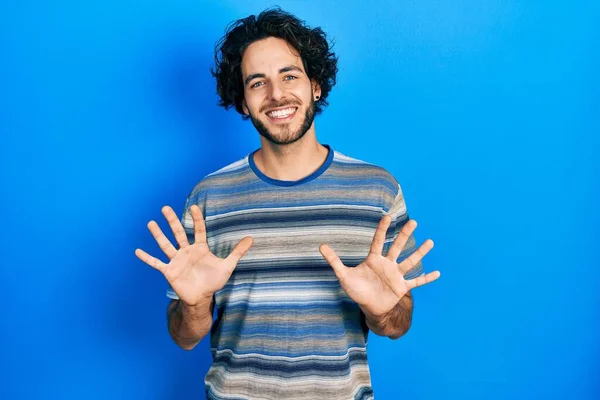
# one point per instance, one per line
(286, 135)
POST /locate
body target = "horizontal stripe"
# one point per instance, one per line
(288, 209)
(224, 385)
(291, 368)
(290, 359)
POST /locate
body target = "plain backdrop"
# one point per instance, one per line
(487, 112)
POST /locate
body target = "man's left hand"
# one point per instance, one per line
(377, 284)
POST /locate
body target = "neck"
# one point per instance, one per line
(293, 161)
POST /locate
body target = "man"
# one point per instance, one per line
(302, 249)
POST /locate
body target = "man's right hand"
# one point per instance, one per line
(193, 272)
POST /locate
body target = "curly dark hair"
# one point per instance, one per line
(320, 63)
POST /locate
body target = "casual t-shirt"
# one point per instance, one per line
(285, 329)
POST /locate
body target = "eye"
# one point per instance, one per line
(255, 85)
(290, 76)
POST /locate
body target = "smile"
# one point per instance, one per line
(282, 115)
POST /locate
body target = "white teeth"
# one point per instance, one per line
(281, 113)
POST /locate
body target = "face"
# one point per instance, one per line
(278, 96)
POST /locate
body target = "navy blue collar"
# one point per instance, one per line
(278, 182)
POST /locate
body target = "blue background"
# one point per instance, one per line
(487, 112)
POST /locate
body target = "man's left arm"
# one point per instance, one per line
(381, 284)
(396, 322)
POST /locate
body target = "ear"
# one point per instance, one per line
(245, 107)
(316, 90)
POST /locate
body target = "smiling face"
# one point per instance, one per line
(278, 95)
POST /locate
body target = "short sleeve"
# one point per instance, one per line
(400, 217)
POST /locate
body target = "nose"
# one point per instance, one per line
(276, 91)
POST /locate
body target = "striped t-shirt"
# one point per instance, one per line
(285, 329)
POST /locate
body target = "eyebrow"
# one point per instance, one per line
(281, 71)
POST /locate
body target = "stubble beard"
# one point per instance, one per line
(285, 136)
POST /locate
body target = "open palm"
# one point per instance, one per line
(193, 272)
(377, 284)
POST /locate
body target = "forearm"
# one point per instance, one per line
(395, 322)
(189, 324)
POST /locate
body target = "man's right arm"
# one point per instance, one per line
(189, 324)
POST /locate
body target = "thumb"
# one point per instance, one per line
(332, 259)
(240, 249)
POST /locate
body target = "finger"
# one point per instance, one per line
(151, 261)
(423, 280)
(379, 237)
(415, 257)
(165, 245)
(176, 226)
(199, 226)
(401, 239)
(240, 249)
(334, 261)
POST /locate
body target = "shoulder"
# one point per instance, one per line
(368, 173)
(223, 177)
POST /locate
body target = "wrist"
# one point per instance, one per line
(376, 312)
(376, 318)
(199, 307)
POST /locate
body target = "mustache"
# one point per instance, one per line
(276, 105)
